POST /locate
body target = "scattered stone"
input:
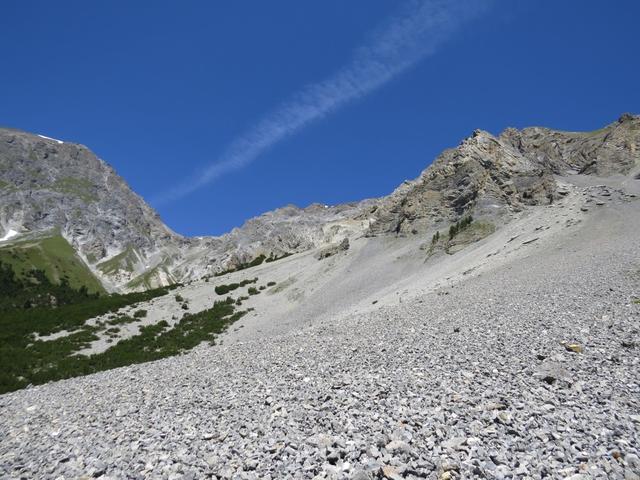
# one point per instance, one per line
(551, 372)
(392, 393)
(398, 446)
(333, 249)
(574, 347)
(390, 473)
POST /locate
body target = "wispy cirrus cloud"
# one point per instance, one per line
(414, 34)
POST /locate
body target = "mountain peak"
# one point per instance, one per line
(48, 186)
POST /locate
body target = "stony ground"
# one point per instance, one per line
(529, 370)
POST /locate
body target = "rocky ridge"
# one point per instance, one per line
(493, 176)
(48, 185)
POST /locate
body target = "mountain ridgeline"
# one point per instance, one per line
(65, 212)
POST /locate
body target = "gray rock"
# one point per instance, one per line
(333, 249)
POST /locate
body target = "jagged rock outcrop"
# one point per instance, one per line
(282, 231)
(333, 249)
(604, 152)
(493, 176)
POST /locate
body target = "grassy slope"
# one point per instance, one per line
(147, 279)
(55, 257)
(125, 260)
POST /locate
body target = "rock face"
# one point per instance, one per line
(493, 176)
(47, 185)
(333, 249)
(604, 152)
(285, 230)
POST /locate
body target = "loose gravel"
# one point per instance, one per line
(530, 370)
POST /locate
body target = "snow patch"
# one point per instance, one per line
(10, 234)
(49, 138)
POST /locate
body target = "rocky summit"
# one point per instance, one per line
(480, 322)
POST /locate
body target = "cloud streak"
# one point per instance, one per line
(412, 35)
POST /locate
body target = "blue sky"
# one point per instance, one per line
(164, 90)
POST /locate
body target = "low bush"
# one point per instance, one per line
(25, 315)
(121, 320)
(43, 361)
(273, 258)
(224, 289)
(459, 226)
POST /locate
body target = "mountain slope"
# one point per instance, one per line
(508, 351)
(51, 186)
(55, 257)
(47, 185)
(516, 357)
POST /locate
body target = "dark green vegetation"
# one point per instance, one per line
(55, 257)
(459, 226)
(31, 306)
(42, 362)
(224, 289)
(32, 289)
(241, 299)
(152, 343)
(270, 284)
(253, 263)
(253, 291)
(462, 233)
(121, 320)
(273, 258)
